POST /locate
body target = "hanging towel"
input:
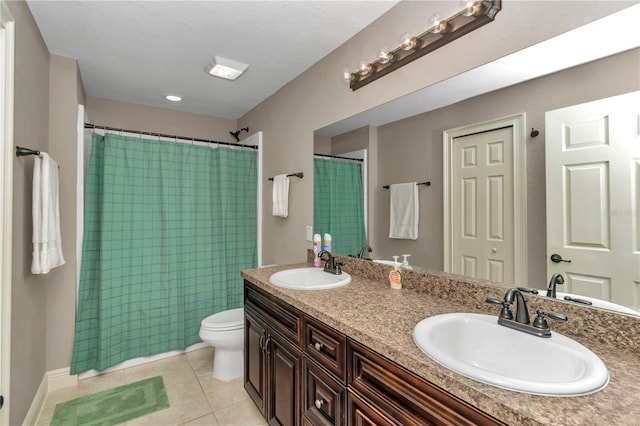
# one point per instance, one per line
(281, 195)
(404, 211)
(47, 244)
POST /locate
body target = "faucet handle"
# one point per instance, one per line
(541, 322)
(528, 290)
(505, 312)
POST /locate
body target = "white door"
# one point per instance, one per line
(482, 205)
(593, 198)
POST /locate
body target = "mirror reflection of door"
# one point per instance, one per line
(593, 198)
(485, 207)
(482, 194)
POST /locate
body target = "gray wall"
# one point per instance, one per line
(105, 112)
(28, 292)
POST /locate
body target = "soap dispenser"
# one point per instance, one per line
(395, 280)
(405, 263)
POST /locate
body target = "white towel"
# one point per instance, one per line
(47, 242)
(403, 223)
(281, 195)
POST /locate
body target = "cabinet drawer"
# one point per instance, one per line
(363, 414)
(323, 396)
(405, 397)
(278, 315)
(326, 346)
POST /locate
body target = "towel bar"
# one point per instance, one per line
(428, 183)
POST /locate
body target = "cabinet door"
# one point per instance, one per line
(284, 372)
(255, 360)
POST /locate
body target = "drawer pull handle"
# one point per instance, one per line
(318, 346)
(319, 403)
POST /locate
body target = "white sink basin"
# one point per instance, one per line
(475, 346)
(309, 279)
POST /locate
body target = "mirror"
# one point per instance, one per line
(405, 141)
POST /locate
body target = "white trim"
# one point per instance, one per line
(51, 381)
(61, 379)
(7, 38)
(517, 123)
(79, 195)
(35, 410)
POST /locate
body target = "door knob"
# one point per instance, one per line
(556, 258)
(318, 346)
(319, 403)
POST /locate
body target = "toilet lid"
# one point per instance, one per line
(232, 319)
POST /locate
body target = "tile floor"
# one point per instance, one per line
(196, 398)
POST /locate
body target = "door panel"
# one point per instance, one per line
(255, 360)
(482, 205)
(284, 382)
(592, 159)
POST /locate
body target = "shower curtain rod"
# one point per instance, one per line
(140, 132)
(338, 157)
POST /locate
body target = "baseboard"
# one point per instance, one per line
(60, 379)
(37, 404)
(51, 381)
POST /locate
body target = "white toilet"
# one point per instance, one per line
(225, 332)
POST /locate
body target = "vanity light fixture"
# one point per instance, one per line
(225, 68)
(472, 14)
(173, 98)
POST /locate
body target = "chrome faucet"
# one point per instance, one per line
(330, 264)
(556, 279)
(366, 248)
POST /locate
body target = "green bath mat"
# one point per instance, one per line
(113, 406)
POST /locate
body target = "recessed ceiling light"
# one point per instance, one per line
(225, 68)
(173, 98)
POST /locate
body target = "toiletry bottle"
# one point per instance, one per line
(326, 243)
(316, 250)
(395, 280)
(405, 262)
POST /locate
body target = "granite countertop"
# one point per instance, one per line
(383, 319)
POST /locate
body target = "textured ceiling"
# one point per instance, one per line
(139, 51)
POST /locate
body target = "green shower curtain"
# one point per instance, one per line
(168, 227)
(338, 204)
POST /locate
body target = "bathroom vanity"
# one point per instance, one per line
(346, 356)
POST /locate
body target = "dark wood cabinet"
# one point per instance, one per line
(273, 357)
(299, 370)
(402, 396)
(324, 396)
(362, 413)
(284, 362)
(255, 359)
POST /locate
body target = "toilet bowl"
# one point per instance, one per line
(225, 332)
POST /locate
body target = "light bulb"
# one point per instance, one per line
(438, 24)
(470, 7)
(364, 68)
(408, 42)
(384, 56)
(347, 75)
